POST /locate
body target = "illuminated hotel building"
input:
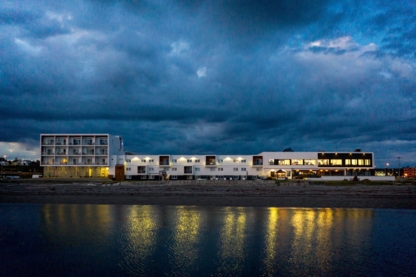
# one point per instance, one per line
(79, 155)
(101, 155)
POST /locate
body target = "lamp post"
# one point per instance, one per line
(387, 165)
(399, 167)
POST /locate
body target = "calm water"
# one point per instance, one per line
(117, 240)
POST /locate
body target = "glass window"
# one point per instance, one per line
(336, 162)
(220, 169)
(235, 169)
(367, 162)
(271, 161)
(243, 161)
(360, 162)
(323, 162)
(347, 162)
(353, 162)
(284, 162)
(297, 162)
(310, 162)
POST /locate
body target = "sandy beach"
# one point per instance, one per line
(210, 193)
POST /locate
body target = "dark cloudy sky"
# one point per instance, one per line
(211, 76)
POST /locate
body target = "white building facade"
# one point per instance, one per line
(102, 155)
(266, 164)
(79, 155)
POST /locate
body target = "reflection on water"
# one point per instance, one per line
(186, 237)
(189, 241)
(138, 241)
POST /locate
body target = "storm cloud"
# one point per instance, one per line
(206, 77)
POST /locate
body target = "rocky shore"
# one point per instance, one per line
(210, 193)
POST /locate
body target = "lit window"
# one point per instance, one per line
(353, 162)
(367, 162)
(297, 162)
(309, 162)
(360, 162)
(336, 162)
(323, 162)
(347, 162)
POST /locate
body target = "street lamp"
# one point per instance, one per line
(399, 167)
(387, 165)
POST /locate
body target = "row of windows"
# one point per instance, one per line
(292, 162)
(360, 162)
(142, 170)
(188, 161)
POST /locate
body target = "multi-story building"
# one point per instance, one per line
(101, 155)
(78, 155)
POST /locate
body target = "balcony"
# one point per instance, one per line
(210, 161)
(48, 153)
(60, 153)
(257, 161)
(164, 161)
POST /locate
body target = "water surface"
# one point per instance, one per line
(70, 240)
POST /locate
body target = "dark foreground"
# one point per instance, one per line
(248, 194)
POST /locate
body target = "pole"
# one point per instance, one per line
(399, 166)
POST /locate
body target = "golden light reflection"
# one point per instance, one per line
(272, 243)
(64, 220)
(187, 233)
(233, 233)
(141, 225)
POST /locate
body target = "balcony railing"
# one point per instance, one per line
(48, 153)
(88, 143)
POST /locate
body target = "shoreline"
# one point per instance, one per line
(244, 194)
(241, 201)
